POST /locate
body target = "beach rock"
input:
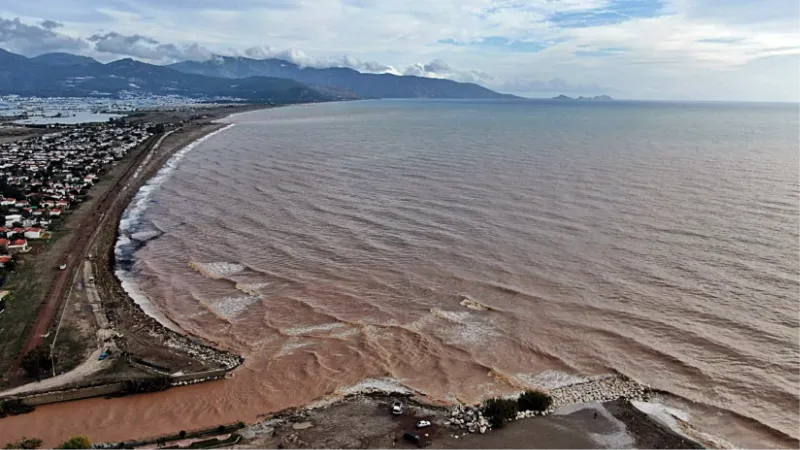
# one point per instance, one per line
(302, 425)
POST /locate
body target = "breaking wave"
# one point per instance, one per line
(129, 224)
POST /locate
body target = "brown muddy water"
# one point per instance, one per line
(468, 249)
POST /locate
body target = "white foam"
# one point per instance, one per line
(251, 288)
(230, 307)
(679, 421)
(131, 218)
(376, 385)
(663, 413)
(217, 270)
(291, 345)
(131, 287)
(549, 379)
(452, 316)
(138, 206)
(313, 329)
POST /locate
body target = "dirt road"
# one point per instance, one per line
(91, 366)
(78, 245)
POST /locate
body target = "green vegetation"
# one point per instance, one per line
(24, 444)
(37, 362)
(534, 401)
(499, 411)
(13, 407)
(25, 284)
(77, 442)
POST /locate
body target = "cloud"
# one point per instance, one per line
(17, 36)
(300, 58)
(636, 46)
(440, 69)
(50, 24)
(147, 48)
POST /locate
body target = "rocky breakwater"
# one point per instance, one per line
(469, 418)
(200, 352)
(600, 390)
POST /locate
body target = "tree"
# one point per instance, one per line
(77, 442)
(534, 401)
(25, 443)
(182, 434)
(499, 411)
(37, 361)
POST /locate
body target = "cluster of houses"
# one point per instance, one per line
(43, 177)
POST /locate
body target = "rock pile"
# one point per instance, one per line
(468, 418)
(598, 390)
(196, 350)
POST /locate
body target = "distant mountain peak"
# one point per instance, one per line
(64, 59)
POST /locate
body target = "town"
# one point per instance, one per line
(42, 178)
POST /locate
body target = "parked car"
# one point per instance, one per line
(62, 266)
(415, 438)
(397, 408)
(423, 424)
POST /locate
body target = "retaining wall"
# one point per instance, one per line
(65, 395)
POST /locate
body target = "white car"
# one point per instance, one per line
(423, 424)
(397, 408)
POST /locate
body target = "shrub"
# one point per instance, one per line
(499, 410)
(182, 434)
(37, 361)
(534, 401)
(240, 424)
(221, 429)
(25, 443)
(77, 442)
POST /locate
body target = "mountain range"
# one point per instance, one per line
(254, 80)
(364, 84)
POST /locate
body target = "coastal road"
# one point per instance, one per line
(91, 366)
(79, 243)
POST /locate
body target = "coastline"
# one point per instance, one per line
(149, 348)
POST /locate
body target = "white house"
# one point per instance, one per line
(18, 246)
(13, 218)
(33, 233)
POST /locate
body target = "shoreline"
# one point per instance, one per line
(125, 321)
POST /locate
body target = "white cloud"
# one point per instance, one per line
(18, 36)
(636, 47)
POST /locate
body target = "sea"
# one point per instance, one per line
(468, 249)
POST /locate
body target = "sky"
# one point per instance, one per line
(738, 50)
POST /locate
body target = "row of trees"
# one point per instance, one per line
(31, 443)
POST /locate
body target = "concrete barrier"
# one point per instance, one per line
(71, 394)
(78, 393)
(189, 377)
